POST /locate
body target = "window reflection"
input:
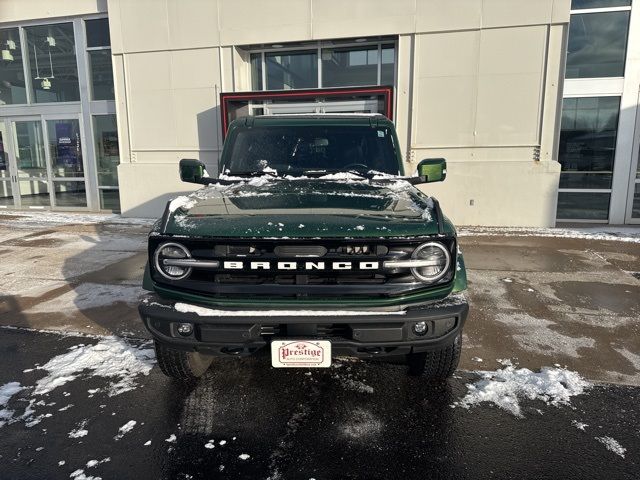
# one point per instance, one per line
(597, 45)
(256, 71)
(12, 85)
(289, 70)
(101, 75)
(105, 133)
(52, 58)
(343, 67)
(588, 141)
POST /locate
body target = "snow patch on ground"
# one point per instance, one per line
(95, 463)
(244, 456)
(612, 445)
(7, 391)
(617, 234)
(80, 431)
(124, 429)
(112, 358)
(537, 335)
(49, 218)
(80, 475)
(506, 387)
(362, 425)
(579, 425)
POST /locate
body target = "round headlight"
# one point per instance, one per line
(167, 261)
(436, 259)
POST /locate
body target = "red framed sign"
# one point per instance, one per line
(237, 104)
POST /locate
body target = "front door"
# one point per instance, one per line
(28, 164)
(41, 163)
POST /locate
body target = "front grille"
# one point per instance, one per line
(301, 281)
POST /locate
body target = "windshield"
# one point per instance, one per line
(305, 150)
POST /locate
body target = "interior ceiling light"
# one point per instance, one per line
(276, 45)
(11, 44)
(6, 55)
(360, 40)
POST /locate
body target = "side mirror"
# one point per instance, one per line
(192, 171)
(432, 170)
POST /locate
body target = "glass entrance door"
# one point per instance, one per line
(30, 164)
(66, 163)
(42, 163)
(6, 170)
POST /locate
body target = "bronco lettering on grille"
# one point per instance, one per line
(239, 265)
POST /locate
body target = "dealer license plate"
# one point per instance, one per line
(300, 353)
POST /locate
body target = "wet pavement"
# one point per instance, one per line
(538, 301)
(293, 425)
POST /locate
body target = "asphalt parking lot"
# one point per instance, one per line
(538, 302)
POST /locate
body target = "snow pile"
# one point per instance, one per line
(7, 391)
(80, 431)
(612, 445)
(619, 234)
(27, 219)
(94, 463)
(504, 387)
(112, 357)
(79, 475)
(124, 429)
(184, 202)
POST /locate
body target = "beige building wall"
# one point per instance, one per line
(478, 83)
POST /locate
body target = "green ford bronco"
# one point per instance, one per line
(312, 243)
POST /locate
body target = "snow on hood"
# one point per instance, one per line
(393, 185)
(506, 387)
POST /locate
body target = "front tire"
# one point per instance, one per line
(436, 365)
(181, 365)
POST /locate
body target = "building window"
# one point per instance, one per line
(105, 134)
(292, 70)
(584, 4)
(387, 65)
(344, 67)
(597, 45)
(99, 52)
(588, 141)
(52, 63)
(587, 151)
(12, 83)
(583, 206)
(256, 71)
(346, 63)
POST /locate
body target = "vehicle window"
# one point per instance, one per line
(294, 150)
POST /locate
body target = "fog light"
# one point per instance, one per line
(185, 329)
(420, 328)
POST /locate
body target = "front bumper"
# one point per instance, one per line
(365, 334)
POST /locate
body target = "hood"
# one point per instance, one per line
(303, 208)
